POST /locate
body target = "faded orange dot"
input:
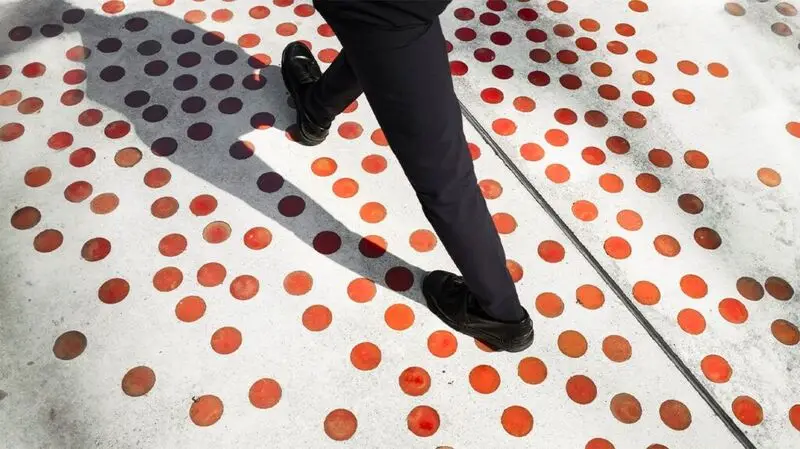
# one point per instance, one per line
(584, 210)
(167, 279)
(667, 245)
(675, 414)
(557, 173)
(365, 356)
(590, 25)
(216, 232)
(688, 67)
(608, 92)
(414, 381)
(601, 69)
(556, 137)
(265, 393)
(257, 238)
(646, 293)
(785, 332)
(103, 204)
(350, 130)
(48, 240)
(617, 247)
(422, 240)
(128, 157)
(581, 389)
(648, 182)
(504, 126)
(95, 249)
(717, 69)
(517, 420)
(423, 421)
(617, 348)
(532, 370)
(345, 188)
(226, 340)
(504, 223)
(211, 274)
(399, 317)
(190, 309)
(590, 296)
(660, 158)
(69, 345)
(37, 176)
(690, 203)
(549, 305)
(361, 290)
(551, 251)
(695, 159)
(317, 318)
(340, 425)
(515, 270)
(244, 287)
(572, 344)
(778, 288)
(626, 408)
(298, 283)
(749, 288)
(691, 321)
(138, 381)
(286, 29)
(194, 16)
(25, 218)
(372, 212)
(733, 310)
(769, 177)
(205, 410)
(442, 344)
(490, 189)
(611, 183)
(374, 164)
(683, 96)
(644, 77)
(524, 104)
(693, 286)
(634, 119)
(164, 207)
(716, 368)
(747, 410)
(157, 178)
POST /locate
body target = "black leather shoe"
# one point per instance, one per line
(300, 70)
(450, 299)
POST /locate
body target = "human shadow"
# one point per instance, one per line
(190, 96)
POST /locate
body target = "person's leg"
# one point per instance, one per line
(334, 91)
(406, 77)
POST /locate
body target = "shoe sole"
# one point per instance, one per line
(304, 138)
(518, 344)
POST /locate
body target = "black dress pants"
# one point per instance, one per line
(394, 52)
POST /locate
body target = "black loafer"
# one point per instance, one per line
(299, 70)
(449, 298)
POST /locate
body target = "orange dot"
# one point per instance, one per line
(747, 410)
(557, 173)
(504, 127)
(646, 293)
(691, 321)
(350, 130)
(608, 92)
(793, 128)
(590, 296)
(167, 279)
(695, 159)
(716, 369)
(265, 393)
(317, 318)
(190, 308)
(549, 305)
(257, 238)
(474, 151)
(365, 356)
(324, 166)
(216, 232)
(226, 340)
(590, 25)
(194, 16)
(617, 247)
(667, 245)
(625, 29)
(361, 290)
(345, 188)
(617, 348)
(138, 381)
(551, 251)
(733, 310)
(203, 205)
(442, 344)
(531, 152)
(626, 408)
(593, 156)
(340, 424)
(688, 67)
(717, 69)
(244, 287)
(643, 77)
(95, 249)
(778, 288)
(581, 389)
(785, 332)
(379, 138)
(298, 283)
(69, 345)
(113, 291)
(693, 286)
(490, 189)
(211, 274)
(572, 344)
(599, 443)
(532, 370)
(374, 164)
(675, 414)
(769, 177)
(399, 317)
(611, 183)
(637, 6)
(794, 416)
(103, 204)
(601, 69)
(646, 56)
(648, 183)
(504, 223)
(423, 421)
(422, 240)
(484, 379)
(584, 210)
(37, 176)
(372, 212)
(205, 410)
(517, 420)
(414, 381)
(660, 158)
(515, 270)
(556, 137)
(524, 104)
(618, 145)
(683, 96)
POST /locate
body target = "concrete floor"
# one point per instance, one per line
(177, 272)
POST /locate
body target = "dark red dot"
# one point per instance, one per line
(82, 157)
(156, 68)
(570, 81)
(484, 55)
(5, 70)
(327, 242)
(72, 97)
(34, 70)
(225, 57)
(51, 30)
(230, 105)
(193, 105)
(164, 146)
(262, 120)
(500, 38)
(539, 78)
(496, 5)
(20, 33)
(458, 68)
(199, 131)
(73, 16)
(490, 19)
(149, 48)
(154, 113)
(291, 206)
(117, 129)
(112, 73)
(540, 55)
(90, 117)
(222, 81)
(502, 72)
(370, 249)
(136, 24)
(527, 14)
(213, 38)
(60, 140)
(137, 99)
(109, 45)
(270, 182)
(241, 150)
(254, 81)
(466, 34)
(74, 76)
(399, 279)
(183, 36)
(189, 59)
(464, 14)
(536, 35)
